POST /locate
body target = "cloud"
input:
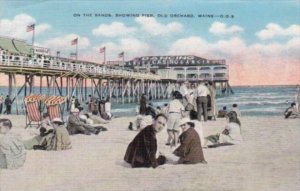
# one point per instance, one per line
(63, 43)
(154, 28)
(273, 30)
(219, 28)
(113, 30)
(17, 27)
(131, 46)
(191, 45)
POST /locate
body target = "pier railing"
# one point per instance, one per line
(92, 69)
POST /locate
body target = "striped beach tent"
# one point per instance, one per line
(33, 114)
(53, 104)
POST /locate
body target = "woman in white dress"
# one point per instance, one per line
(231, 135)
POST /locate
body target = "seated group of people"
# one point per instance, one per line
(141, 152)
(223, 112)
(85, 123)
(53, 136)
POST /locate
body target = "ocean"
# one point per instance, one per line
(252, 101)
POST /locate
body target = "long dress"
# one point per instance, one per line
(234, 134)
(212, 112)
(143, 105)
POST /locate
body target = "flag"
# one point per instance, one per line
(74, 42)
(30, 27)
(121, 55)
(101, 50)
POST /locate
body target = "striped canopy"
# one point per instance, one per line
(54, 100)
(33, 98)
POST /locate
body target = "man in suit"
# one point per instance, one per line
(142, 150)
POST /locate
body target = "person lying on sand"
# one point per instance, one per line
(76, 126)
(231, 135)
(142, 150)
(12, 150)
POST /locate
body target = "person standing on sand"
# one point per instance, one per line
(212, 92)
(141, 152)
(175, 112)
(1, 103)
(143, 105)
(298, 99)
(202, 92)
(8, 104)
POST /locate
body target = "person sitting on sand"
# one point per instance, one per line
(291, 112)
(198, 126)
(141, 122)
(46, 122)
(222, 113)
(141, 152)
(236, 110)
(52, 140)
(12, 150)
(96, 118)
(190, 149)
(150, 110)
(76, 126)
(231, 135)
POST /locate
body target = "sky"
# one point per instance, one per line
(260, 40)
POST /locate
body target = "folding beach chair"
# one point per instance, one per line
(53, 104)
(33, 114)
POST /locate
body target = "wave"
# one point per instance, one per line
(254, 103)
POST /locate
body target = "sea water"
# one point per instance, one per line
(252, 101)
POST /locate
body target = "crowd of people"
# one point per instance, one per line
(182, 118)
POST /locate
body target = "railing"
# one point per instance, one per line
(207, 78)
(82, 67)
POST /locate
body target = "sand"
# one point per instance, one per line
(269, 159)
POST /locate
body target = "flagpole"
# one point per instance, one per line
(32, 43)
(77, 49)
(123, 59)
(104, 54)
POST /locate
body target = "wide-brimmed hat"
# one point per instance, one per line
(57, 120)
(75, 110)
(184, 121)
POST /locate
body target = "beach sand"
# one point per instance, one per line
(269, 159)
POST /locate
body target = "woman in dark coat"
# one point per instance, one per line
(190, 149)
(143, 105)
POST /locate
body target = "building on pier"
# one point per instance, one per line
(185, 68)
